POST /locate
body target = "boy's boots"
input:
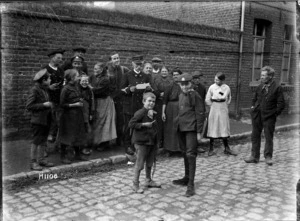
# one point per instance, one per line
(192, 170)
(149, 182)
(136, 184)
(227, 148)
(41, 158)
(35, 166)
(184, 181)
(211, 148)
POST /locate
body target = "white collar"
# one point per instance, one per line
(136, 71)
(54, 68)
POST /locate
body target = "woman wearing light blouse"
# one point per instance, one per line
(218, 97)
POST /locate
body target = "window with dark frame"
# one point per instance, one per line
(260, 38)
(286, 55)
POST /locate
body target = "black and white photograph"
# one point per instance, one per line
(150, 110)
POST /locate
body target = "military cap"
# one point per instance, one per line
(56, 51)
(138, 59)
(156, 60)
(185, 77)
(77, 58)
(197, 74)
(83, 50)
(40, 74)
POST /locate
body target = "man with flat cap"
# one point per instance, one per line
(80, 51)
(134, 84)
(157, 64)
(116, 72)
(200, 88)
(57, 80)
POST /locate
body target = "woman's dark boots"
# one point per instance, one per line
(63, 153)
(192, 170)
(78, 155)
(184, 181)
(227, 148)
(211, 147)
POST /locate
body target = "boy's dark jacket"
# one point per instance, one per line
(143, 135)
(191, 113)
(39, 113)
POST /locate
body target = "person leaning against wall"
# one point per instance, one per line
(115, 72)
(267, 104)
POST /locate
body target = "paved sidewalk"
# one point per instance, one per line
(227, 189)
(16, 154)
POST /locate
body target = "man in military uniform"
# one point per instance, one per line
(77, 63)
(133, 86)
(57, 80)
(80, 51)
(116, 72)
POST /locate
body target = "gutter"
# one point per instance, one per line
(238, 77)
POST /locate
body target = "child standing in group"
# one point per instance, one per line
(71, 129)
(40, 107)
(189, 126)
(88, 109)
(145, 141)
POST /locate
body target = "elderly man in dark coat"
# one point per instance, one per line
(267, 104)
(134, 84)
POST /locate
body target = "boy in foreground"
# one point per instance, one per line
(144, 138)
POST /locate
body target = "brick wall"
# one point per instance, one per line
(30, 30)
(217, 14)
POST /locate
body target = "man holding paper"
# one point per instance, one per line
(134, 84)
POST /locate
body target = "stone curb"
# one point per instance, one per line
(118, 159)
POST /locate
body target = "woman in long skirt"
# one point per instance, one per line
(218, 97)
(169, 112)
(71, 129)
(104, 125)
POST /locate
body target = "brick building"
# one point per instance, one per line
(30, 30)
(267, 37)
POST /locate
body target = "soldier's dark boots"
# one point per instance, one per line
(192, 170)
(183, 181)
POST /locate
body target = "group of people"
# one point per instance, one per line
(143, 108)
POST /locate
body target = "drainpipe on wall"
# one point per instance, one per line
(238, 81)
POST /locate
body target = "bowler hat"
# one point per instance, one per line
(138, 59)
(56, 51)
(196, 74)
(156, 60)
(83, 50)
(40, 74)
(185, 77)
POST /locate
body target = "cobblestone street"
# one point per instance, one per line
(226, 189)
